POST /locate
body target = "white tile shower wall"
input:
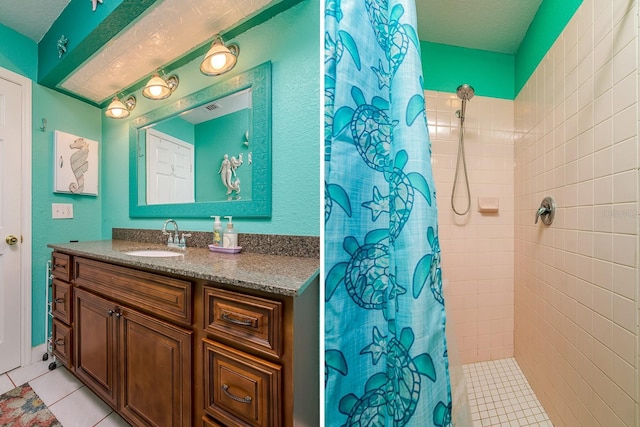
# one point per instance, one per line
(576, 281)
(477, 249)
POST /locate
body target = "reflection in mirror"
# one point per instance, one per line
(201, 155)
(206, 154)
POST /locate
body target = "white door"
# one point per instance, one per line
(10, 224)
(170, 177)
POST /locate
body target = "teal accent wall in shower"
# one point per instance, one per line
(492, 74)
(549, 22)
(445, 67)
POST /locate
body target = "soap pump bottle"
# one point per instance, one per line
(217, 231)
(230, 236)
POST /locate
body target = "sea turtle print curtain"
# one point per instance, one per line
(385, 351)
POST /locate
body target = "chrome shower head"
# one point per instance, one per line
(465, 92)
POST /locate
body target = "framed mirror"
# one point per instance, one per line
(208, 153)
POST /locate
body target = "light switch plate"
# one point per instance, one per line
(61, 210)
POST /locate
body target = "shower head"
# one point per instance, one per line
(465, 92)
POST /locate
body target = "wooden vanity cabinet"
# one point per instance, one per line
(167, 351)
(139, 364)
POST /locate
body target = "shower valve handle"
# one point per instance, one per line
(546, 210)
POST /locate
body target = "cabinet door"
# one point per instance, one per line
(155, 379)
(95, 344)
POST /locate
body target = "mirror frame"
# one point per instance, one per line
(259, 80)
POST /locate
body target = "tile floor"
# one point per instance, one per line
(73, 404)
(499, 395)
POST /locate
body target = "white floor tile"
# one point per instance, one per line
(500, 395)
(81, 408)
(55, 385)
(26, 373)
(113, 420)
(5, 384)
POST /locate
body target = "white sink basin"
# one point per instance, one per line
(153, 253)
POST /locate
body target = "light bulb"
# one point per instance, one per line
(218, 61)
(116, 112)
(155, 90)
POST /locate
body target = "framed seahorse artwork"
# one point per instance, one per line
(76, 164)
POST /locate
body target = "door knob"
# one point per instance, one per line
(11, 240)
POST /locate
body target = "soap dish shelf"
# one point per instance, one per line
(225, 250)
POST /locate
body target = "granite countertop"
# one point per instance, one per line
(277, 274)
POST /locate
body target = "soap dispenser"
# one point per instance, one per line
(230, 237)
(217, 231)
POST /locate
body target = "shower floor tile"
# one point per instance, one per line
(500, 396)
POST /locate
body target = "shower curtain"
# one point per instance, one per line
(385, 350)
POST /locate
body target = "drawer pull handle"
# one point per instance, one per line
(59, 342)
(226, 317)
(246, 399)
(59, 300)
(59, 266)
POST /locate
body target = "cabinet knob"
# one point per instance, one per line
(59, 342)
(110, 312)
(246, 399)
(59, 300)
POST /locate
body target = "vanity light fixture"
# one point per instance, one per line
(119, 109)
(220, 58)
(160, 88)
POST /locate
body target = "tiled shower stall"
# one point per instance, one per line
(562, 299)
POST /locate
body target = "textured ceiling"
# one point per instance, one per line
(31, 18)
(174, 27)
(493, 25)
(166, 32)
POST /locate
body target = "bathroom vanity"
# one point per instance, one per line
(198, 339)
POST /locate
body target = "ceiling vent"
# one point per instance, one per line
(213, 106)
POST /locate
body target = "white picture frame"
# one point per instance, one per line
(76, 163)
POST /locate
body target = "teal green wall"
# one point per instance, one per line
(178, 128)
(446, 67)
(214, 139)
(18, 53)
(68, 115)
(492, 74)
(290, 41)
(550, 20)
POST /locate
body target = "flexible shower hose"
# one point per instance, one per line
(464, 166)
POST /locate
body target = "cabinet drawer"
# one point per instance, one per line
(208, 422)
(61, 336)
(162, 296)
(241, 389)
(61, 301)
(247, 321)
(61, 266)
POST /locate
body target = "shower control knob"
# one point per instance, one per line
(546, 211)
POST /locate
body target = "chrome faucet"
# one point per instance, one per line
(176, 240)
(165, 232)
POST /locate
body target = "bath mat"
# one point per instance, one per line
(22, 407)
